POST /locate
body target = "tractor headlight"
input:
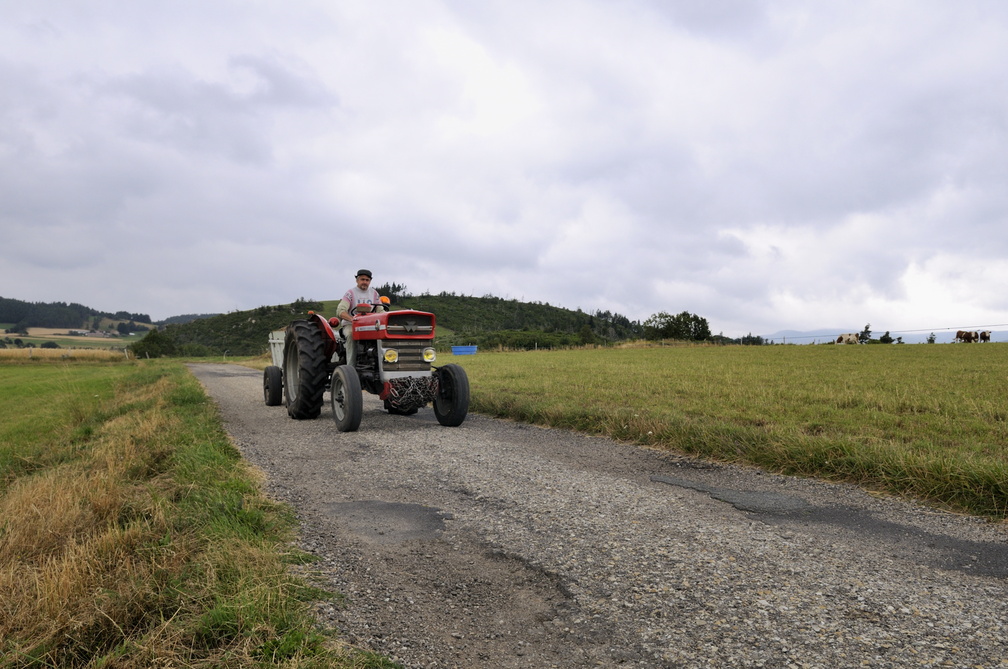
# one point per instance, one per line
(429, 355)
(391, 355)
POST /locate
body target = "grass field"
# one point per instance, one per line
(927, 421)
(95, 354)
(60, 336)
(131, 533)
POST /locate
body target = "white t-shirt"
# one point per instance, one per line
(355, 296)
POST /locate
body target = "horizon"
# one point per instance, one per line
(813, 336)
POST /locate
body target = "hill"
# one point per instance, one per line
(184, 318)
(485, 321)
(236, 333)
(18, 316)
(479, 316)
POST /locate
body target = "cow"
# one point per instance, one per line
(985, 335)
(848, 338)
(965, 336)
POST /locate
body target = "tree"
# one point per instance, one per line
(752, 340)
(865, 335)
(660, 326)
(683, 325)
(394, 291)
(154, 345)
(699, 328)
(586, 335)
(931, 338)
(886, 339)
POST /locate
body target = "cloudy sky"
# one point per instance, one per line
(766, 165)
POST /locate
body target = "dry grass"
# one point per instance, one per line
(79, 549)
(131, 534)
(8, 355)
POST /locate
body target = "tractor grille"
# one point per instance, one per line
(409, 324)
(410, 355)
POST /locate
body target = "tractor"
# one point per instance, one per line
(393, 359)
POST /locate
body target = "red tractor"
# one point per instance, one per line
(393, 352)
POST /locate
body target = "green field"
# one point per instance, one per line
(81, 342)
(66, 341)
(927, 421)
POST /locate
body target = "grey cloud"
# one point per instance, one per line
(179, 109)
(634, 157)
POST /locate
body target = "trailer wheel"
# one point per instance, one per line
(273, 386)
(346, 398)
(305, 370)
(451, 404)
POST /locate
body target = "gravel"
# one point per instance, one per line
(498, 544)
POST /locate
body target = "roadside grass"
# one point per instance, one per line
(92, 353)
(133, 535)
(926, 421)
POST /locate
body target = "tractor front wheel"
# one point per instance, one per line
(347, 400)
(451, 404)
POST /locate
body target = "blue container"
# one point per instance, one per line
(463, 350)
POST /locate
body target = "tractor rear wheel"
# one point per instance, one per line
(451, 404)
(273, 386)
(305, 369)
(347, 400)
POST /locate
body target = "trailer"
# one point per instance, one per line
(273, 375)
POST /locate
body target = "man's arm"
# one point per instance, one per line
(343, 310)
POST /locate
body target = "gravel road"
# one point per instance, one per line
(499, 545)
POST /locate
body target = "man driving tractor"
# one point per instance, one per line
(362, 299)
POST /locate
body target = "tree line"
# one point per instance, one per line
(24, 315)
(489, 322)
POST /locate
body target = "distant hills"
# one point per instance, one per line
(486, 321)
(19, 315)
(184, 318)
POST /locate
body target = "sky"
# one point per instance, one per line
(766, 165)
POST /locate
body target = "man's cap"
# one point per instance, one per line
(365, 272)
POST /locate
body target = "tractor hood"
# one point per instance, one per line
(399, 324)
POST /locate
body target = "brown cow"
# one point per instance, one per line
(985, 335)
(964, 336)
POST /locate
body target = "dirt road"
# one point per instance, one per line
(500, 545)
